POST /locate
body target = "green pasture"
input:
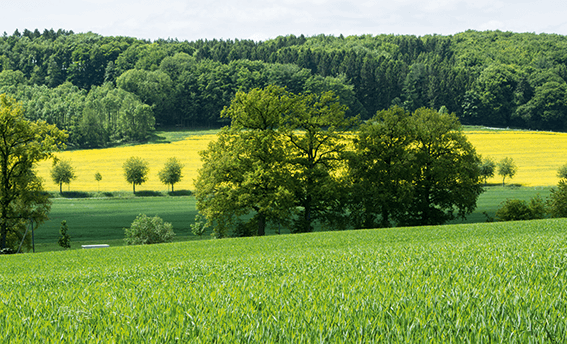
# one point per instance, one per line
(101, 220)
(467, 283)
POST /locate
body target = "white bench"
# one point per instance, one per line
(95, 246)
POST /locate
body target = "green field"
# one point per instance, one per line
(102, 220)
(497, 282)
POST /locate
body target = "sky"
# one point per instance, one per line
(265, 19)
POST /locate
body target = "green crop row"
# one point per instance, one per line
(500, 282)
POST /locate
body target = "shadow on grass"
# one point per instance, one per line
(75, 194)
(180, 193)
(149, 194)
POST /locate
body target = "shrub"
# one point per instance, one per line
(148, 230)
(65, 239)
(517, 210)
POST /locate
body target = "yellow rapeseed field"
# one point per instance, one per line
(537, 154)
(108, 162)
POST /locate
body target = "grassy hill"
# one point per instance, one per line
(498, 282)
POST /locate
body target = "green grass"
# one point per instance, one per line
(100, 219)
(499, 282)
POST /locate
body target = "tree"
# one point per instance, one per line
(244, 171)
(22, 145)
(136, 171)
(380, 169)
(62, 172)
(98, 178)
(171, 172)
(446, 176)
(487, 168)
(507, 168)
(316, 130)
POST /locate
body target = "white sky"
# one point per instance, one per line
(264, 19)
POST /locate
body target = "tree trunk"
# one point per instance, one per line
(60, 188)
(261, 225)
(171, 187)
(134, 188)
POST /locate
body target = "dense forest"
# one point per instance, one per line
(111, 89)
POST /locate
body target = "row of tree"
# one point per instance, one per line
(294, 161)
(490, 78)
(136, 172)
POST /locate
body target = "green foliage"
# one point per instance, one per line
(136, 171)
(65, 239)
(148, 230)
(199, 226)
(519, 210)
(22, 145)
(171, 172)
(244, 171)
(412, 169)
(277, 160)
(487, 168)
(557, 202)
(62, 172)
(463, 283)
(491, 78)
(562, 172)
(507, 168)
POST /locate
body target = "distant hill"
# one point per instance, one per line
(493, 78)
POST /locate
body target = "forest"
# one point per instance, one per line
(105, 90)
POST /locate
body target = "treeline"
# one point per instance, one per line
(293, 161)
(491, 78)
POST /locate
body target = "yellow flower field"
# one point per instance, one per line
(537, 154)
(109, 162)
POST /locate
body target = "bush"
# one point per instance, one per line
(518, 210)
(65, 240)
(148, 230)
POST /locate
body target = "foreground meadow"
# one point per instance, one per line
(537, 154)
(499, 282)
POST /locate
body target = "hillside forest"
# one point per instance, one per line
(105, 90)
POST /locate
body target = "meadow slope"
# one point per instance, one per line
(499, 282)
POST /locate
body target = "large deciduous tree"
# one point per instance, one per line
(446, 170)
(244, 171)
(22, 145)
(316, 132)
(412, 169)
(380, 169)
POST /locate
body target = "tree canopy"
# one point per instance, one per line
(113, 89)
(290, 160)
(22, 145)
